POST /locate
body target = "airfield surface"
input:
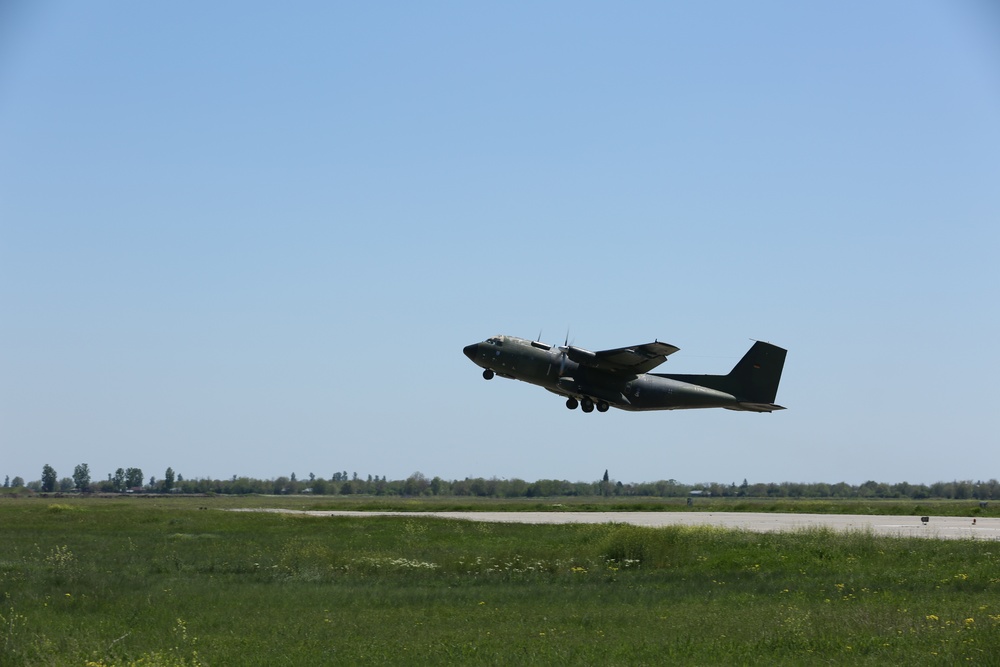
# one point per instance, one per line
(942, 528)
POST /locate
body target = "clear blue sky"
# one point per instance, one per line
(252, 238)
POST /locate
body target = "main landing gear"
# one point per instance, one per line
(587, 404)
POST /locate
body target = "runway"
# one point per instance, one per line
(941, 528)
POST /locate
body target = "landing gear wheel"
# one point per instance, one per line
(488, 374)
(602, 406)
(571, 403)
(587, 405)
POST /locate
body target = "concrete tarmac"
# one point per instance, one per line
(941, 528)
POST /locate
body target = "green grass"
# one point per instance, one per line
(136, 581)
(866, 506)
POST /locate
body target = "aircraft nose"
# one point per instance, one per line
(471, 351)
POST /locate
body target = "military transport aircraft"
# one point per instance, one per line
(620, 377)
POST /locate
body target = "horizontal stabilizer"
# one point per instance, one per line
(757, 407)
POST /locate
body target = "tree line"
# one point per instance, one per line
(132, 480)
(123, 480)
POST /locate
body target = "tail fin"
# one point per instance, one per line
(754, 380)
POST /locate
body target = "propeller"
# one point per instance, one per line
(562, 357)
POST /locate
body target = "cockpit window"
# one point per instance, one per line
(494, 341)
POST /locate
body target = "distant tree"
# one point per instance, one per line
(513, 488)
(415, 484)
(168, 480)
(6, 482)
(17, 482)
(49, 478)
(133, 478)
(963, 489)
(118, 481)
(840, 490)
(65, 484)
(988, 490)
(81, 477)
(868, 489)
(477, 487)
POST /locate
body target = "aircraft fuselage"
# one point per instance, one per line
(584, 377)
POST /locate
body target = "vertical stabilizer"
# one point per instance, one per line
(753, 382)
(755, 378)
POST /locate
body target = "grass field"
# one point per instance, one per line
(161, 581)
(866, 506)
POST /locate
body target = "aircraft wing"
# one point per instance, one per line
(625, 360)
